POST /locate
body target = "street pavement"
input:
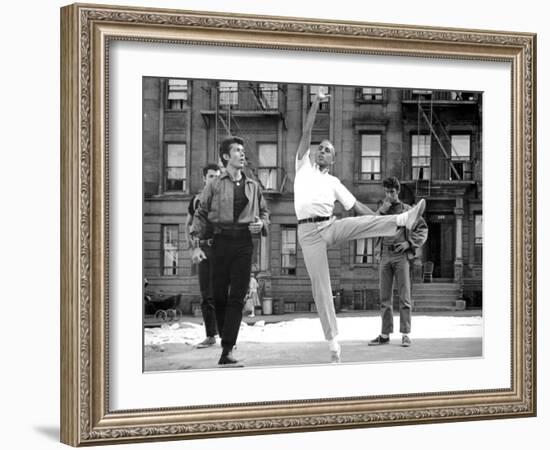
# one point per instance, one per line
(297, 340)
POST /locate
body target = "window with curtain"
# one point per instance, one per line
(421, 156)
(267, 165)
(288, 250)
(175, 167)
(460, 157)
(370, 156)
(177, 94)
(364, 251)
(170, 249)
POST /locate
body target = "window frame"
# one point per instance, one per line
(360, 96)
(163, 250)
(231, 93)
(460, 161)
(185, 187)
(371, 260)
(413, 157)
(275, 167)
(283, 271)
(274, 90)
(360, 174)
(185, 103)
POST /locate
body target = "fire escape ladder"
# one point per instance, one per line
(440, 144)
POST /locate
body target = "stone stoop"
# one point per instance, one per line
(429, 297)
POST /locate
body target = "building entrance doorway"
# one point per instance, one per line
(441, 246)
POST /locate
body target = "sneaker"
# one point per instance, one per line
(414, 213)
(227, 359)
(209, 341)
(405, 341)
(380, 340)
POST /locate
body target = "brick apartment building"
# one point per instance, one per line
(430, 140)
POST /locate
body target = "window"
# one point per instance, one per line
(229, 93)
(370, 156)
(324, 105)
(460, 156)
(259, 255)
(364, 251)
(288, 250)
(269, 95)
(420, 156)
(371, 94)
(170, 249)
(177, 94)
(289, 307)
(267, 165)
(176, 170)
(420, 94)
(478, 242)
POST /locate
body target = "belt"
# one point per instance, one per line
(206, 242)
(314, 219)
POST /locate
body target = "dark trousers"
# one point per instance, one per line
(395, 266)
(232, 265)
(206, 269)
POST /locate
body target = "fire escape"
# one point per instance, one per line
(457, 166)
(234, 104)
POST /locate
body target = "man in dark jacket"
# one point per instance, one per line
(396, 254)
(234, 208)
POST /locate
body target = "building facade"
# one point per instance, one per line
(430, 140)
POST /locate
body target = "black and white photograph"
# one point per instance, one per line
(291, 224)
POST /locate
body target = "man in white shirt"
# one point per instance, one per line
(315, 192)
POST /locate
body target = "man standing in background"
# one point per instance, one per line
(396, 253)
(205, 267)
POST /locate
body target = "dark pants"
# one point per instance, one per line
(206, 269)
(395, 266)
(232, 265)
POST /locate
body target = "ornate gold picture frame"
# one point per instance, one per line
(87, 32)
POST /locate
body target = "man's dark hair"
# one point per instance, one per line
(208, 167)
(226, 145)
(391, 183)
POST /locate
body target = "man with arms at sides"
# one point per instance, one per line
(205, 267)
(315, 192)
(395, 254)
(233, 205)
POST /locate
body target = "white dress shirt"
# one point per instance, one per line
(316, 191)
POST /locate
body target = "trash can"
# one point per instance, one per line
(267, 306)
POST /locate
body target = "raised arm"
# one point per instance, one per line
(305, 140)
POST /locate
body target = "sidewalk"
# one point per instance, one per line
(299, 341)
(151, 321)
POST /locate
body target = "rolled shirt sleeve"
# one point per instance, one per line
(344, 196)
